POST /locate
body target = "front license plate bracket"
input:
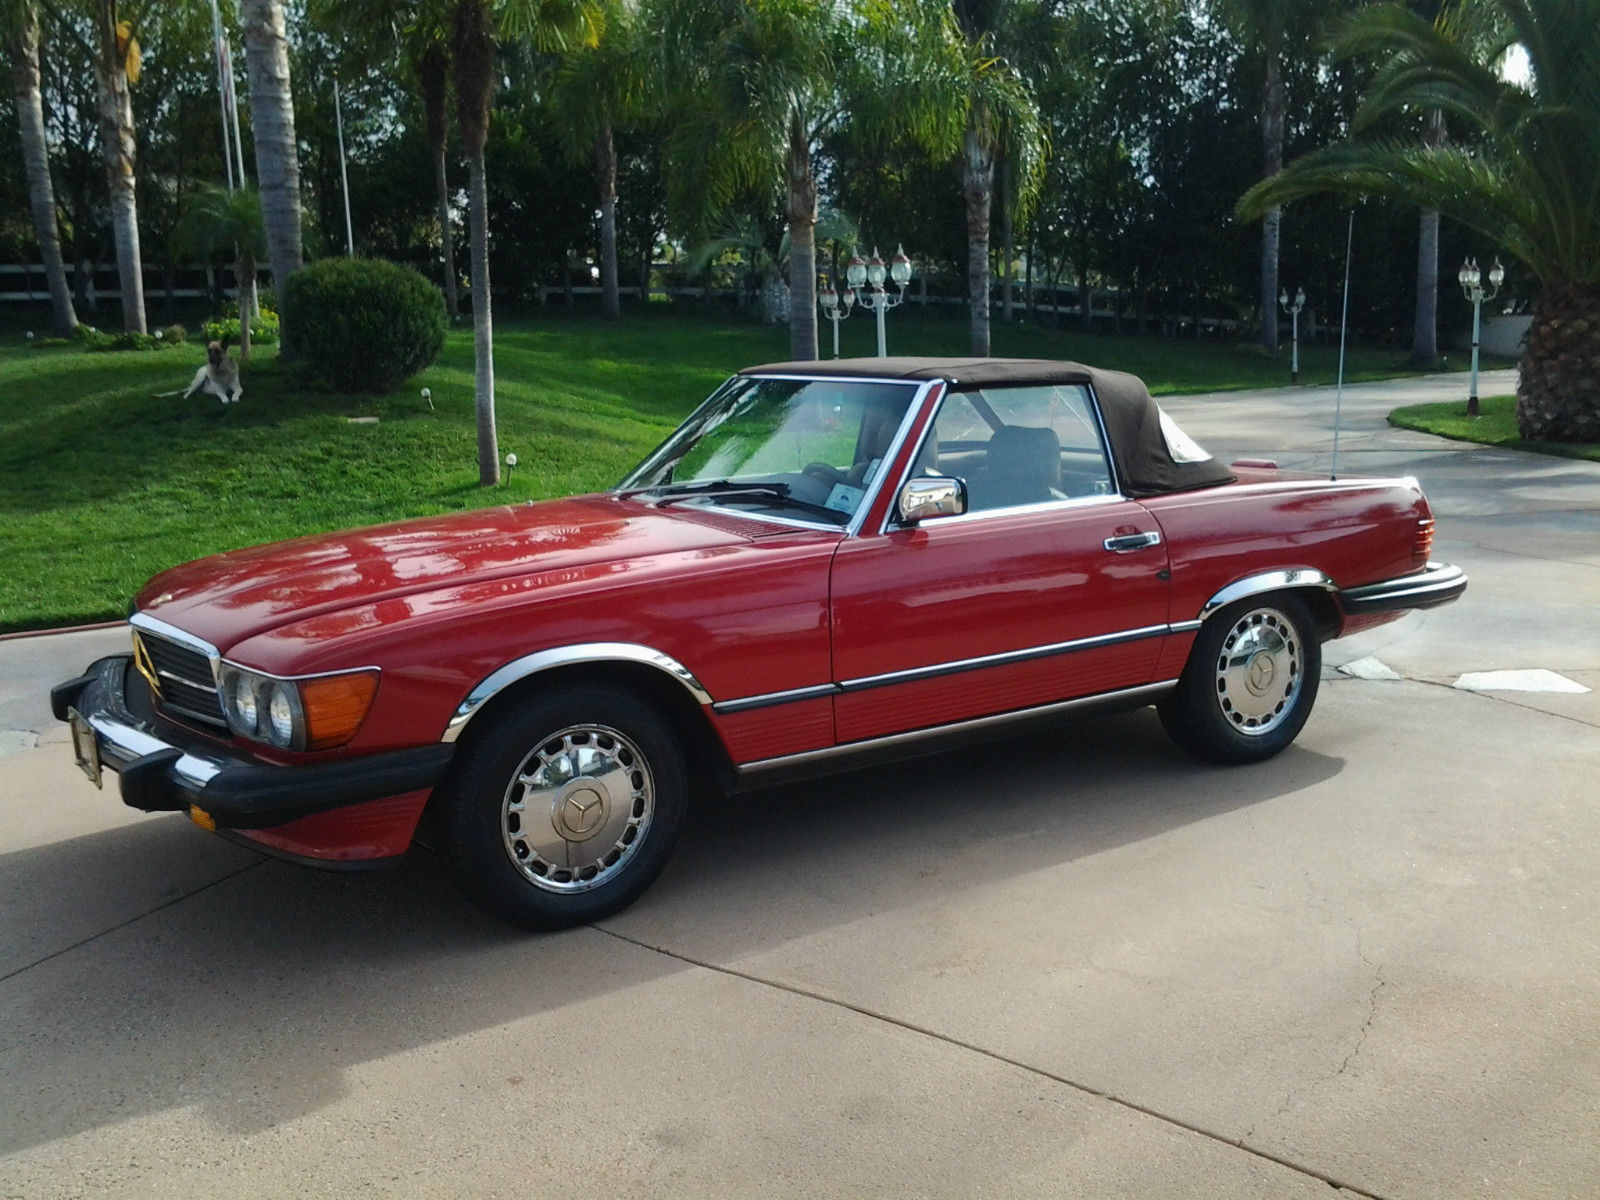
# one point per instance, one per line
(84, 747)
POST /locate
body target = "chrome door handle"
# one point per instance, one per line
(1132, 541)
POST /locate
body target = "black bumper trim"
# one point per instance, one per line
(164, 768)
(1435, 584)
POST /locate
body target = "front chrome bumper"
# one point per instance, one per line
(164, 767)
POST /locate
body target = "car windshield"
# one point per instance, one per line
(808, 449)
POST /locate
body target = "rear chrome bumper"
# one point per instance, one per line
(163, 767)
(1435, 584)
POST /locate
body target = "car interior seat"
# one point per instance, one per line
(1023, 466)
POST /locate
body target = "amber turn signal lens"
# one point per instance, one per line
(335, 707)
(1422, 550)
(202, 818)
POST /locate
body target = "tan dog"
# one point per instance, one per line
(219, 375)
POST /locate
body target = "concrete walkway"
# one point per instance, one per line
(1078, 965)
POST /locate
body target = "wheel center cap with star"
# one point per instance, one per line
(580, 810)
(1260, 673)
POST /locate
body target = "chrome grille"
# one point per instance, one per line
(187, 684)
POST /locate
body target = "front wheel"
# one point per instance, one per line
(1250, 681)
(564, 809)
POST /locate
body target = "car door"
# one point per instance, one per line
(1052, 586)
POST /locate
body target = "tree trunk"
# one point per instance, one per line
(802, 247)
(1558, 387)
(117, 148)
(1272, 110)
(1425, 332)
(24, 53)
(245, 271)
(277, 157)
(605, 177)
(433, 76)
(482, 328)
(978, 184)
(1006, 297)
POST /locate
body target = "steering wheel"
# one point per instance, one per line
(824, 473)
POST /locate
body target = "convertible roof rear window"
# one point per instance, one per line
(1148, 464)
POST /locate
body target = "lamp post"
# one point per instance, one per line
(836, 307)
(872, 273)
(1472, 288)
(1294, 325)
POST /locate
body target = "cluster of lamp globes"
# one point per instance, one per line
(1471, 279)
(861, 273)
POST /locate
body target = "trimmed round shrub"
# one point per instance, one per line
(363, 324)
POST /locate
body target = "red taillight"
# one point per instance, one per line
(1422, 550)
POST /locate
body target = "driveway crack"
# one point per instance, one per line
(995, 1056)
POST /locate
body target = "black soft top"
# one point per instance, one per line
(1144, 461)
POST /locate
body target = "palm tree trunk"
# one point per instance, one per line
(605, 174)
(245, 271)
(482, 322)
(978, 184)
(277, 157)
(24, 54)
(802, 247)
(1006, 289)
(117, 148)
(1272, 112)
(1425, 333)
(433, 74)
(1558, 387)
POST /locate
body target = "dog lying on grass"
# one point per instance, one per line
(219, 375)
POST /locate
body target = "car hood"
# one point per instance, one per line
(229, 597)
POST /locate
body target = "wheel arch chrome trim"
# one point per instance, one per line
(1267, 581)
(589, 653)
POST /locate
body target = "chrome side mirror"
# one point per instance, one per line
(932, 496)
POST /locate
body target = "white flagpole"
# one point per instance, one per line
(344, 179)
(221, 55)
(1344, 326)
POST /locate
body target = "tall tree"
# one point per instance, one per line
(548, 25)
(596, 87)
(1002, 119)
(266, 51)
(1526, 175)
(430, 58)
(21, 18)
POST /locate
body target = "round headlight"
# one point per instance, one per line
(243, 699)
(280, 713)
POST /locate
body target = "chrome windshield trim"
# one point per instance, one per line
(1146, 693)
(560, 656)
(913, 409)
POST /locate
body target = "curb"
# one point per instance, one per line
(20, 634)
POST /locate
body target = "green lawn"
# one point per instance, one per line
(102, 484)
(1497, 426)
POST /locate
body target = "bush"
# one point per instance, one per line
(174, 335)
(263, 330)
(96, 339)
(363, 324)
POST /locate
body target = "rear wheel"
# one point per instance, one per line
(1250, 681)
(565, 809)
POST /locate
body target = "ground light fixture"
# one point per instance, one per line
(1472, 288)
(864, 279)
(1293, 309)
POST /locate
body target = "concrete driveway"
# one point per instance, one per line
(1080, 965)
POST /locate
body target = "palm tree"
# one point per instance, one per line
(217, 219)
(430, 59)
(549, 25)
(21, 18)
(1527, 176)
(1002, 122)
(597, 86)
(266, 51)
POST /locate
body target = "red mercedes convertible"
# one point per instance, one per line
(827, 563)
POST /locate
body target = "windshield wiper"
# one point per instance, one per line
(720, 487)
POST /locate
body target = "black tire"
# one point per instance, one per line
(563, 809)
(1250, 681)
